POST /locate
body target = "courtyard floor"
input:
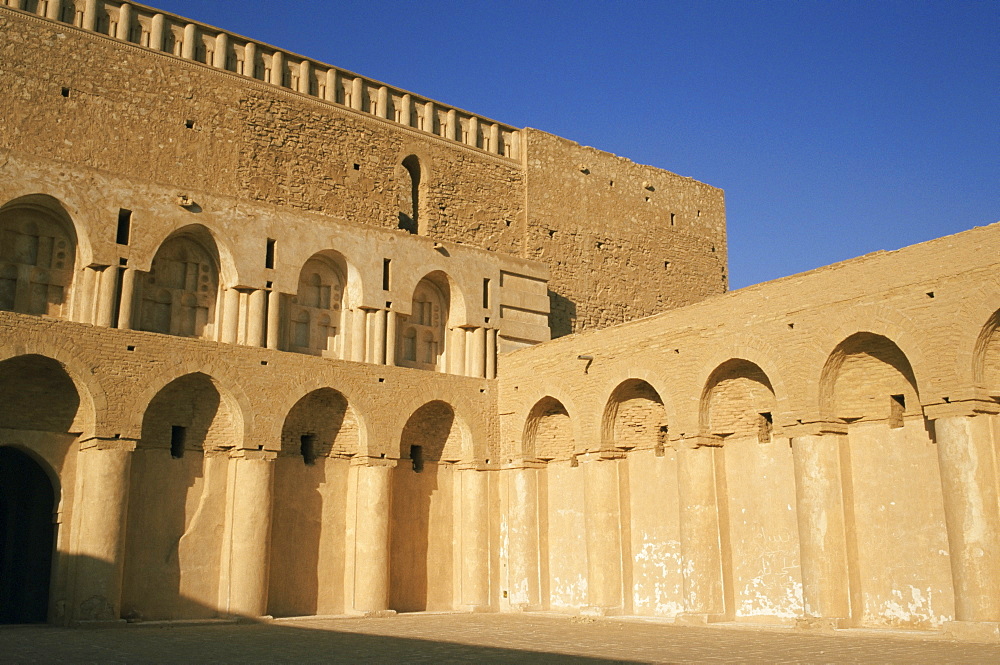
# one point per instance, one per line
(473, 638)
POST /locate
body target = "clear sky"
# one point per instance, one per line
(836, 128)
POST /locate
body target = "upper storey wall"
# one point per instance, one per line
(158, 99)
(623, 240)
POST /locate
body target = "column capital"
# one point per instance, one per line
(376, 462)
(701, 441)
(524, 463)
(966, 408)
(107, 443)
(254, 455)
(817, 428)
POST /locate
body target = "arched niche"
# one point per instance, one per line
(867, 377)
(409, 194)
(433, 433)
(38, 256)
(421, 336)
(321, 424)
(738, 401)
(634, 417)
(548, 432)
(37, 394)
(178, 295)
(315, 316)
(177, 508)
(987, 358)
(309, 508)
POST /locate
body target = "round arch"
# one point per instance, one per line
(92, 417)
(439, 431)
(321, 423)
(56, 208)
(634, 416)
(737, 398)
(545, 429)
(222, 378)
(874, 361)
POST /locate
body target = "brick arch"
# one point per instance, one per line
(554, 446)
(885, 322)
(975, 323)
(536, 396)
(92, 419)
(753, 350)
(474, 448)
(887, 367)
(743, 384)
(271, 430)
(226, 382)
(330, 422)
(642, 424)
(986, 358)
(437, 427)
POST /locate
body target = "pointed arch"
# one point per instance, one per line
(738, 400)
(868, 377)
(634, 417)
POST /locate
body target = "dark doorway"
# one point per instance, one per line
(26, 538)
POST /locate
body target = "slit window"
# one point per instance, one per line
(897, 406)
(486, 293)
(765, 425)
(385, 274)
(269, 253)
(178, 437)
(124, 226)
(307, 448)
(417, 458)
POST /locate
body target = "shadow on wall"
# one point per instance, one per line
(562, 315)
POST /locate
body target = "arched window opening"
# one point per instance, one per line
(421, 341)
(409, 195)
(180, 290)
(317, 308)
(37, 256)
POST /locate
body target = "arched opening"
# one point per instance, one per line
(27, 538)
(634, 418)
(422, 510)
(548, 433)
(421, 335)
(320, 434)
(868, 384)
(409, 195)
(755, 480)
(177, 502)
(37, 260)
(179, 293)
(316, 312)
(37, 394)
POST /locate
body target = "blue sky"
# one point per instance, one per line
(835, 128)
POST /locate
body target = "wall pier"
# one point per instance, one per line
(102, 489)
(821, 525)
(602, 516)
(367, 544)
(249, 550)
(522, 533)
(701, 547)
(475, 593)
(969, 477)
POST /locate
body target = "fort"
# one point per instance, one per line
(282, 340)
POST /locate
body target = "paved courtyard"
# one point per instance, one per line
(472, 638)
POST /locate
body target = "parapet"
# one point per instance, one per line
(179, 37)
